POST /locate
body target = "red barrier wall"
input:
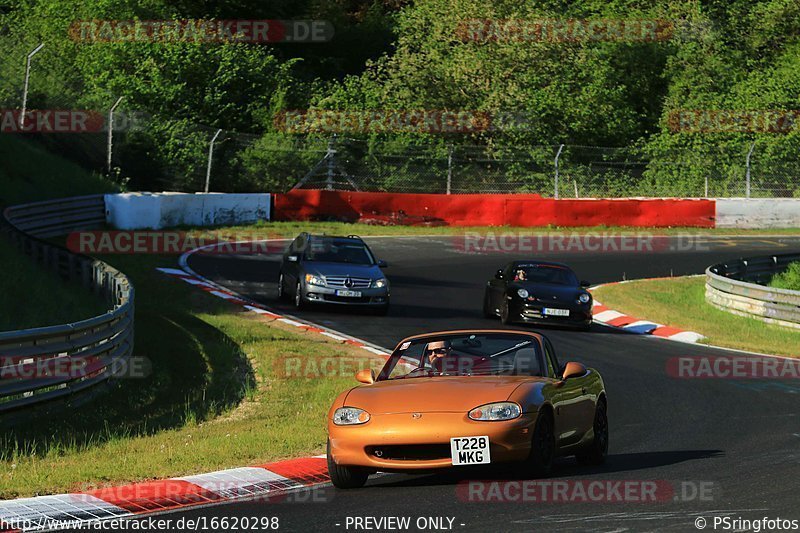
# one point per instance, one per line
(492, 209)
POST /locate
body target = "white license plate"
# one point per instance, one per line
(470, 450)
(349, 294)
(555, 312)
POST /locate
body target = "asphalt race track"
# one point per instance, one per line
(741, 438)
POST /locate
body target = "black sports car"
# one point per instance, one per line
(539, 292)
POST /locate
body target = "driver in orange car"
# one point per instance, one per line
(437, 353)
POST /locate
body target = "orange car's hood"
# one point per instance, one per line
(434, 394)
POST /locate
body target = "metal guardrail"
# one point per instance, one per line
(738, 287)
(46, 363)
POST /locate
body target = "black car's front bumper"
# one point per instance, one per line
(533, 312)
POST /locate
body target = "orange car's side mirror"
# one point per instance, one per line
(366, 376)
(573, 370)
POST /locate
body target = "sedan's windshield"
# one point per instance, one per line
(338, 251)
(465, 355)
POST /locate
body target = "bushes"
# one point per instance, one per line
(789, 279)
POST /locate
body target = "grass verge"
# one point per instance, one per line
(30, 173)
(219, 396)
(31, 296)
(291, 229)
(680, 302)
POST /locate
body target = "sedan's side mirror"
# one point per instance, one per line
(366, 376)
(585, 283)
(499, 274)
(293, 258)
(573, 370)
(382, 263)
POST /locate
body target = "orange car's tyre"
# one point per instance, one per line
(346, 477)
(543, 446)
(596, 453)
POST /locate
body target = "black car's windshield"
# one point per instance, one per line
(536, 273)
(479, 354)
(338, 251)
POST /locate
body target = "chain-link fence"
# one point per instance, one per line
(562, 171)
(157, 152)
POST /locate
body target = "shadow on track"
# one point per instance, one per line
(566, 467)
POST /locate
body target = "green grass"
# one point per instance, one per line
(680, 302)
(215, 398)
(789, 279)
(29, 173)
(31, 296)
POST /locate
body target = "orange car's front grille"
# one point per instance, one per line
(410, 452)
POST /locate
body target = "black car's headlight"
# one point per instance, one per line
(584, 298)
(312, 279)
(350, 416)
(379, 283)
(492, 412)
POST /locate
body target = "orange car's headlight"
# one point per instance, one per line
(350, 416)
(496, 411)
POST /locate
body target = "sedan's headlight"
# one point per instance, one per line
(522, 293)
(379, 283)
(496, 411)
(350, 416)
(311, 279)
(584, 298)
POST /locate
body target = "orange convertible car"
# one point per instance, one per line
(467, 398)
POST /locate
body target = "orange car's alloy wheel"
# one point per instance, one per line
(596, 453)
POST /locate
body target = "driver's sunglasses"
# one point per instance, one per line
(439, 350)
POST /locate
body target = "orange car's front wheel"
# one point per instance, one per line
(543, 446)
(345, 477)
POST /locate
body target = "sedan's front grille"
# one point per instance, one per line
(341, 282)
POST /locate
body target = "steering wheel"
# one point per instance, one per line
(419, 369)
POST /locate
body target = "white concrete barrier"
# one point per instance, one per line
(758, 213)
(147, 210)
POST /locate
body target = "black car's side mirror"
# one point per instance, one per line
(293, 258)
(499, 274)
(382, 264)
(585, 283)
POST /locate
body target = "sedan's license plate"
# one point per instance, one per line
(470, 450)
(349, 294)
(555, 312)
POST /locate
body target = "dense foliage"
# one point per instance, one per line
(732, 54)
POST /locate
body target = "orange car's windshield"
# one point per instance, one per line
(479, 354)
